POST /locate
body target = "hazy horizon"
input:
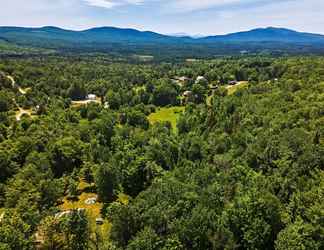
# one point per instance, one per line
(203, 17)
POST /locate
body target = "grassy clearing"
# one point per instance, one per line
(209, 100)
(231, 89)
(123, 198)
(93, 211)
(167, 114)
(139, 88)
(76, 104)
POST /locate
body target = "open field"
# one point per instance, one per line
(77, 104)
(93, 211)
(167, 114)
(233, 88)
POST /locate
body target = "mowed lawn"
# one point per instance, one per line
(167, 114)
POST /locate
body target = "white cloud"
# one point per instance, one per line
(197, 5)
(112, 3)
(190, 5)
(184, 5)
(176, 6)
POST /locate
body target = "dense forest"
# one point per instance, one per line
(84, 166)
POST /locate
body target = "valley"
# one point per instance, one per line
(103, 153)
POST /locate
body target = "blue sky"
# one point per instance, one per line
(167, 16)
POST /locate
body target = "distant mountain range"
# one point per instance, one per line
(108, 38)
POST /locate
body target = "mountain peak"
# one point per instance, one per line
(51, 28)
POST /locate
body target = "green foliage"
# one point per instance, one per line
(71, 231)
(244, 171)
(5, 101)
(66, 155)
(113, 99)
(106, 182)
(164, 94)
(15, 234)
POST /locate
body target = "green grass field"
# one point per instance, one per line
(167, 114)
(232, 89)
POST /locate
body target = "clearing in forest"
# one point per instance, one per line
(93, 211)
(167, 115)
(76, 104)
(231, 89)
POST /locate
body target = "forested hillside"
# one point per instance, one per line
(112, 40)
(104, 153)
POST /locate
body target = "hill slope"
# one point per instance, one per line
(268, 35)
(135, 41)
